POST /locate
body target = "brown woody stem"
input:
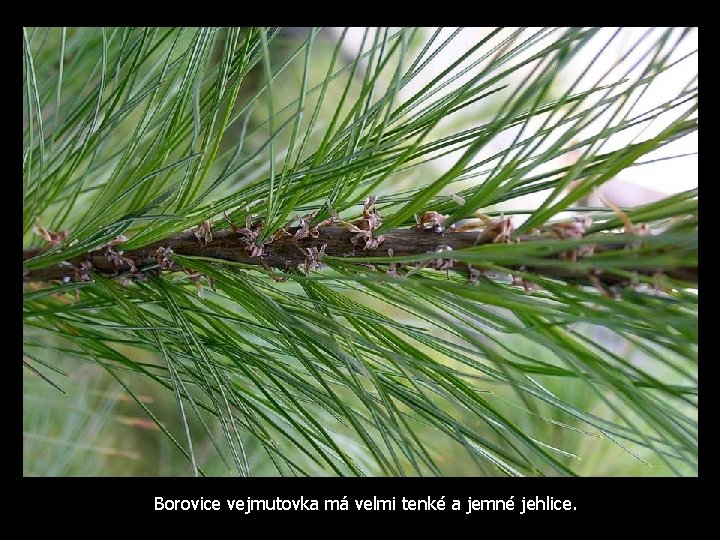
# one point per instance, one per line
(284, 252)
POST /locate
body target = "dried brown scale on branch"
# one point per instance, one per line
(249, 235)
(305, 230)
(195, 278)
(443, 263)
(82, 272)
(119, 239)
(431, 220)
(392, 267)
(163, 256)
(473, 275)
(440, 263)
(528, 286)
(313, 258)
(573, 229)
(116, 257)
(494, 230)
(51, 238)
(363, 228)
(203, 232)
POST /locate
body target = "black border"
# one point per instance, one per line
(601, 504)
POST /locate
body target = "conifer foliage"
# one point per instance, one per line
(325, 263)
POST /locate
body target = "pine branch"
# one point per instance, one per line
(285, 252)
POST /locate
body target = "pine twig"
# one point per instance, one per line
(285, 251)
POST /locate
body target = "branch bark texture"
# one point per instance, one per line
(284, 252)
